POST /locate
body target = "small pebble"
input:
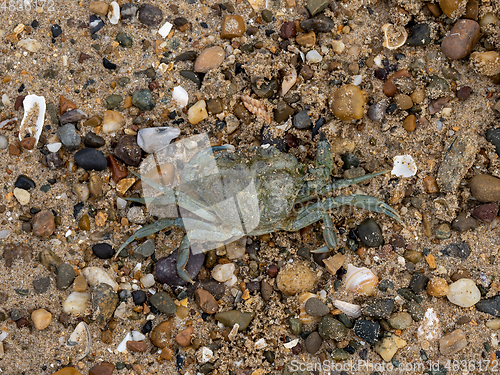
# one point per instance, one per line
(464, 293)
(90, 159)
(400, 320)
(315, 307)
(461, 39)
(486, 212)
(232, 26)
(302, 120)
(296, 278)
(41, 319)
(485, 188)
(150, 15)
(232, 317)
(438, 287)
(65, 276)
(163, 303)
(452, 342)
(370, 233)
(313, 342)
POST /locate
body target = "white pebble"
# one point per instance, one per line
(5, 100)
(114, 13)
(260, 344)
(76, 303)
(4, 142)
(180, 96)
(30, 45)
(54, 147)
(313, 56)
(121, 203)
(165, 29)
(223, 272)
(404, 166)
(464, 293)
(22, 196)
(123, 345)
(356, 80)
(148, 280)
(137, 336)
(204, 355)
(4, 233)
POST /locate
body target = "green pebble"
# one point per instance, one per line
(113, 101)
(267, 15)
(400, 320)
(45, 188)
(443, 232)
(330, 328)
(124, 40)
(295, 326)
(123, 81)
(143, 99)
(316, 6)
(340, 355)
(230, 318)
(163, 303)
(345, 320)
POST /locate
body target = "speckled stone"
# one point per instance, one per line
(104, 301)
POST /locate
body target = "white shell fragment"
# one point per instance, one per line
(288, 81)
(291, 344)
(404, 166)
(430, 329)
(361, 281)
(204, 355)
(154, 139)
(34, 116)
(313, 56)
(114, 13)
(76, 303)
(96, 275)
(81, 340)
(394, 36)
(123, 345)
(29, 44)
(180, 96)
(165, 29)
(350, 309)
(54, 147)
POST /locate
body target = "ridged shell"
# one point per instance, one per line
(394, 36)
(256, 107)
(361, 281)
(350, 309)
(304, 317)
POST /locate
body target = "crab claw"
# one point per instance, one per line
(182, 260)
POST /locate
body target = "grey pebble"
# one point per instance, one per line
(65, 276)
(69, 137)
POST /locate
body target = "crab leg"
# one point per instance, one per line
(337, 185)
(155, 227)
(182, 260)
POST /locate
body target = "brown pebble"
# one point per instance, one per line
(434, 9)
(389, 87)
(137, 346)
(452, 8)
(232, 26)
(118, 171)
(103, 368)
(22, 323)
(306, 72)
(438, 287)
(306, 40)
(460, 274)
(161, 334)
(209, 59)
(19, 102)
(430, 185)
(464, 92)
(80, 284)
(461, 39)
(84, 222)
(410, 123)
(107, 337)
(83, 57)
(65, 104)
(43, 224)
(13, 150)
(98, 7)
(272, 270)
(288, 30)
(206, 301)
(167, 354)
(485, 188)
(403, 101)
(28, 143)
(183, 338)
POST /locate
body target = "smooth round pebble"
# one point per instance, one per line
(464, 293)
(400, 320)
(295, 278)
(210, 58)
(348, 103)
(103, 250)
(41, 318)
(313, 56)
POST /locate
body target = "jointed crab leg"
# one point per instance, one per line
(155, 227)
(182, 260)
(328, 232)
(307, 195)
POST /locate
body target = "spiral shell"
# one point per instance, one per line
(361, 281)
(350, 309)
(394, 36)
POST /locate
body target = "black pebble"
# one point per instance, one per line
(367, 330)
(34, 24)
(147, 327)
(96, 23)
(91, 159)
(56, 30)
(108, 64)
(418, 282)
(93, 140)
(103, 251)
(139, 297)
(24, 182)
(21, 88)
(77, 208)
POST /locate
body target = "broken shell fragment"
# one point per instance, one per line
(404, 166)
(394, 36)
(255, 107)
(180, 96)
(81, 340)
(34, 115)
(350, 309)
(360, 281)
(288, 82)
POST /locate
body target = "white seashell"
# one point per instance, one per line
(138, 336)
(54, 147)
(360, 281)
(180, 96)
(288, 82)
(350, 309)
(394, 36)
(123, 345)
(76, 303)
(114, 13)
(81, 339)
(313, 56)
(34, 116)
(404, 166)
(165, 29)
(291, 344)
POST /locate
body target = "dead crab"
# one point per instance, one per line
(270, 189)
